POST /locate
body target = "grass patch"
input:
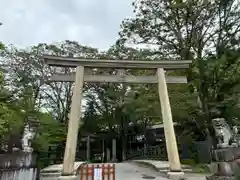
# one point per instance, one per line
(196, 168)
(201, 168)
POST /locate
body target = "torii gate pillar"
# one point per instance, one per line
(170, 138)
(73, 125)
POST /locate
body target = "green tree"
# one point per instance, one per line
(120, 105)
(186, 30)
(50, 133)
(10, 115)
(28, 82)
(1, 45)
(223, 77)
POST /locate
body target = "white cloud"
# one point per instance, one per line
(91, 22)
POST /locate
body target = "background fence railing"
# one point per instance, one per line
(151, 152)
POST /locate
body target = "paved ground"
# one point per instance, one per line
(132, 171)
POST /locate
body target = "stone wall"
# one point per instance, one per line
(18, 166)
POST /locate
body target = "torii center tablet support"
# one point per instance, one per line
(79, 77)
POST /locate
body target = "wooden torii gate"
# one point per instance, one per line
(79, 77)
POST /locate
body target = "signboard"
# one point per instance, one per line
(97, 173)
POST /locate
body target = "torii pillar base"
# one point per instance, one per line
(68, 177)
(175, 175)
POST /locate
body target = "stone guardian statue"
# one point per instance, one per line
(27, 138)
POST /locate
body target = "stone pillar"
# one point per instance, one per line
(108, 155)
(88, 148)
(171, 143)
(114, 151)
(73, 125)
(103, 150)
(145, 149)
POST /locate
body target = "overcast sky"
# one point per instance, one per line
(91, 22)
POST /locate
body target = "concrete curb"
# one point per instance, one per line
(163, 169)
(146, 164)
